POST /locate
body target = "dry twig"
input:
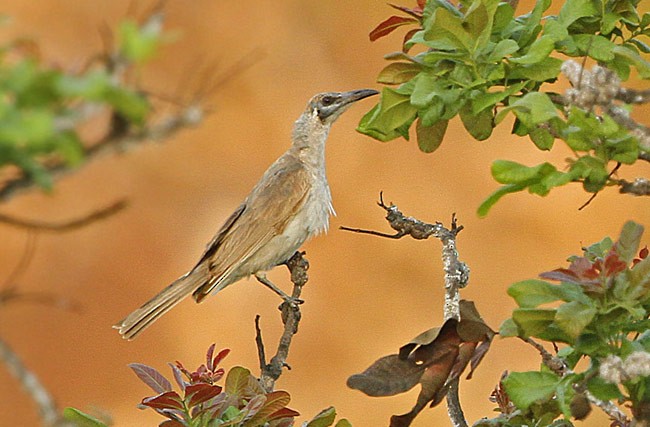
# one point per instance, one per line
(271, 371)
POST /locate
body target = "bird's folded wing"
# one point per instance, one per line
(263, 215)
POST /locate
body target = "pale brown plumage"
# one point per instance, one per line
(289, 204)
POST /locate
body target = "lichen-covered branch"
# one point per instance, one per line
(271, 371)
(456, 275)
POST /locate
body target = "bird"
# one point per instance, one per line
(290, 204)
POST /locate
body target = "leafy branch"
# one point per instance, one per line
(479, 61)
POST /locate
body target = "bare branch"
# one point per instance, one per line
(456, 274)
(69, 225)
(31, 384)
(291, 315)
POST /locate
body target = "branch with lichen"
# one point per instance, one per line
(598, 90)
(456, 274)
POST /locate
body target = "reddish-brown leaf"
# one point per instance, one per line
(208, 356)
(407, 38)
(478, 355)
(614, 265)
(219, 357)
(388, 376)
(168, 400)
(151, 377)
(178, 376)
(446, 341)
(422, 3)
(275, 401)
(415, 12)
(390, 25)
(200, 392)
(283, 413)
(171, 423)
(643, 253)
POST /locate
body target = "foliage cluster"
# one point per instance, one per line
(42, 106)
(482, 63)
(599, 310)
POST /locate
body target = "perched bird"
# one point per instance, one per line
(290, 204)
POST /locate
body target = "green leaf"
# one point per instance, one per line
(542, 138)
(526, 388)
(81, 419)
(478, 125)
(532, 293)
(383, 121)
(430, 137)
(597, 47)
(533, 322)
(575, 9)
(534, 108)
(488, 99)
(478, 21)
(509, 172)
(628, 242)
(603, 390)
(131, 105)
(139, 43)
(627, 54)
(447, 27)
(487, 204)
(502, 49)
(508, 329)
(546, 70)
(237, 380)
(538, 51)
(398, 72)
(573, 317)
(324, 418)
(343, 423)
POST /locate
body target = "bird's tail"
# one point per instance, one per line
(160, 304)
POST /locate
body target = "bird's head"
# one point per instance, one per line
(329, 106)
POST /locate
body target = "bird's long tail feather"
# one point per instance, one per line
(160, 304)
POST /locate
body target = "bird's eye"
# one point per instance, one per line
(327, 100)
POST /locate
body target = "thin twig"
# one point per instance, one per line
(31, 384)
(593, 196)
(260, 344)
(271, 371)
(69, 225)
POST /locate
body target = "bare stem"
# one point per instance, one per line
(31, 384)
(69, 225)
(290, 309)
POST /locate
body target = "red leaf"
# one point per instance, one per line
(415, 12)
(389, 25)
(407, 37)
(201, 392)
(422, 3)
(613, 265)
(171, 423)
(643, 253)
(168, 400)
(178, 376)
(151, 377)
(219, 357)
(208, 356)
(283, 413)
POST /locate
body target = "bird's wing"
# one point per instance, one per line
(263, 215)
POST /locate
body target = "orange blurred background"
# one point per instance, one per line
(366, 297)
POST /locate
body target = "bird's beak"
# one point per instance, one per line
(355, 95)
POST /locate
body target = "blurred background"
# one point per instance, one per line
(366, 296)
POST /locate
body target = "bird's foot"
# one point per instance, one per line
(288, 299)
